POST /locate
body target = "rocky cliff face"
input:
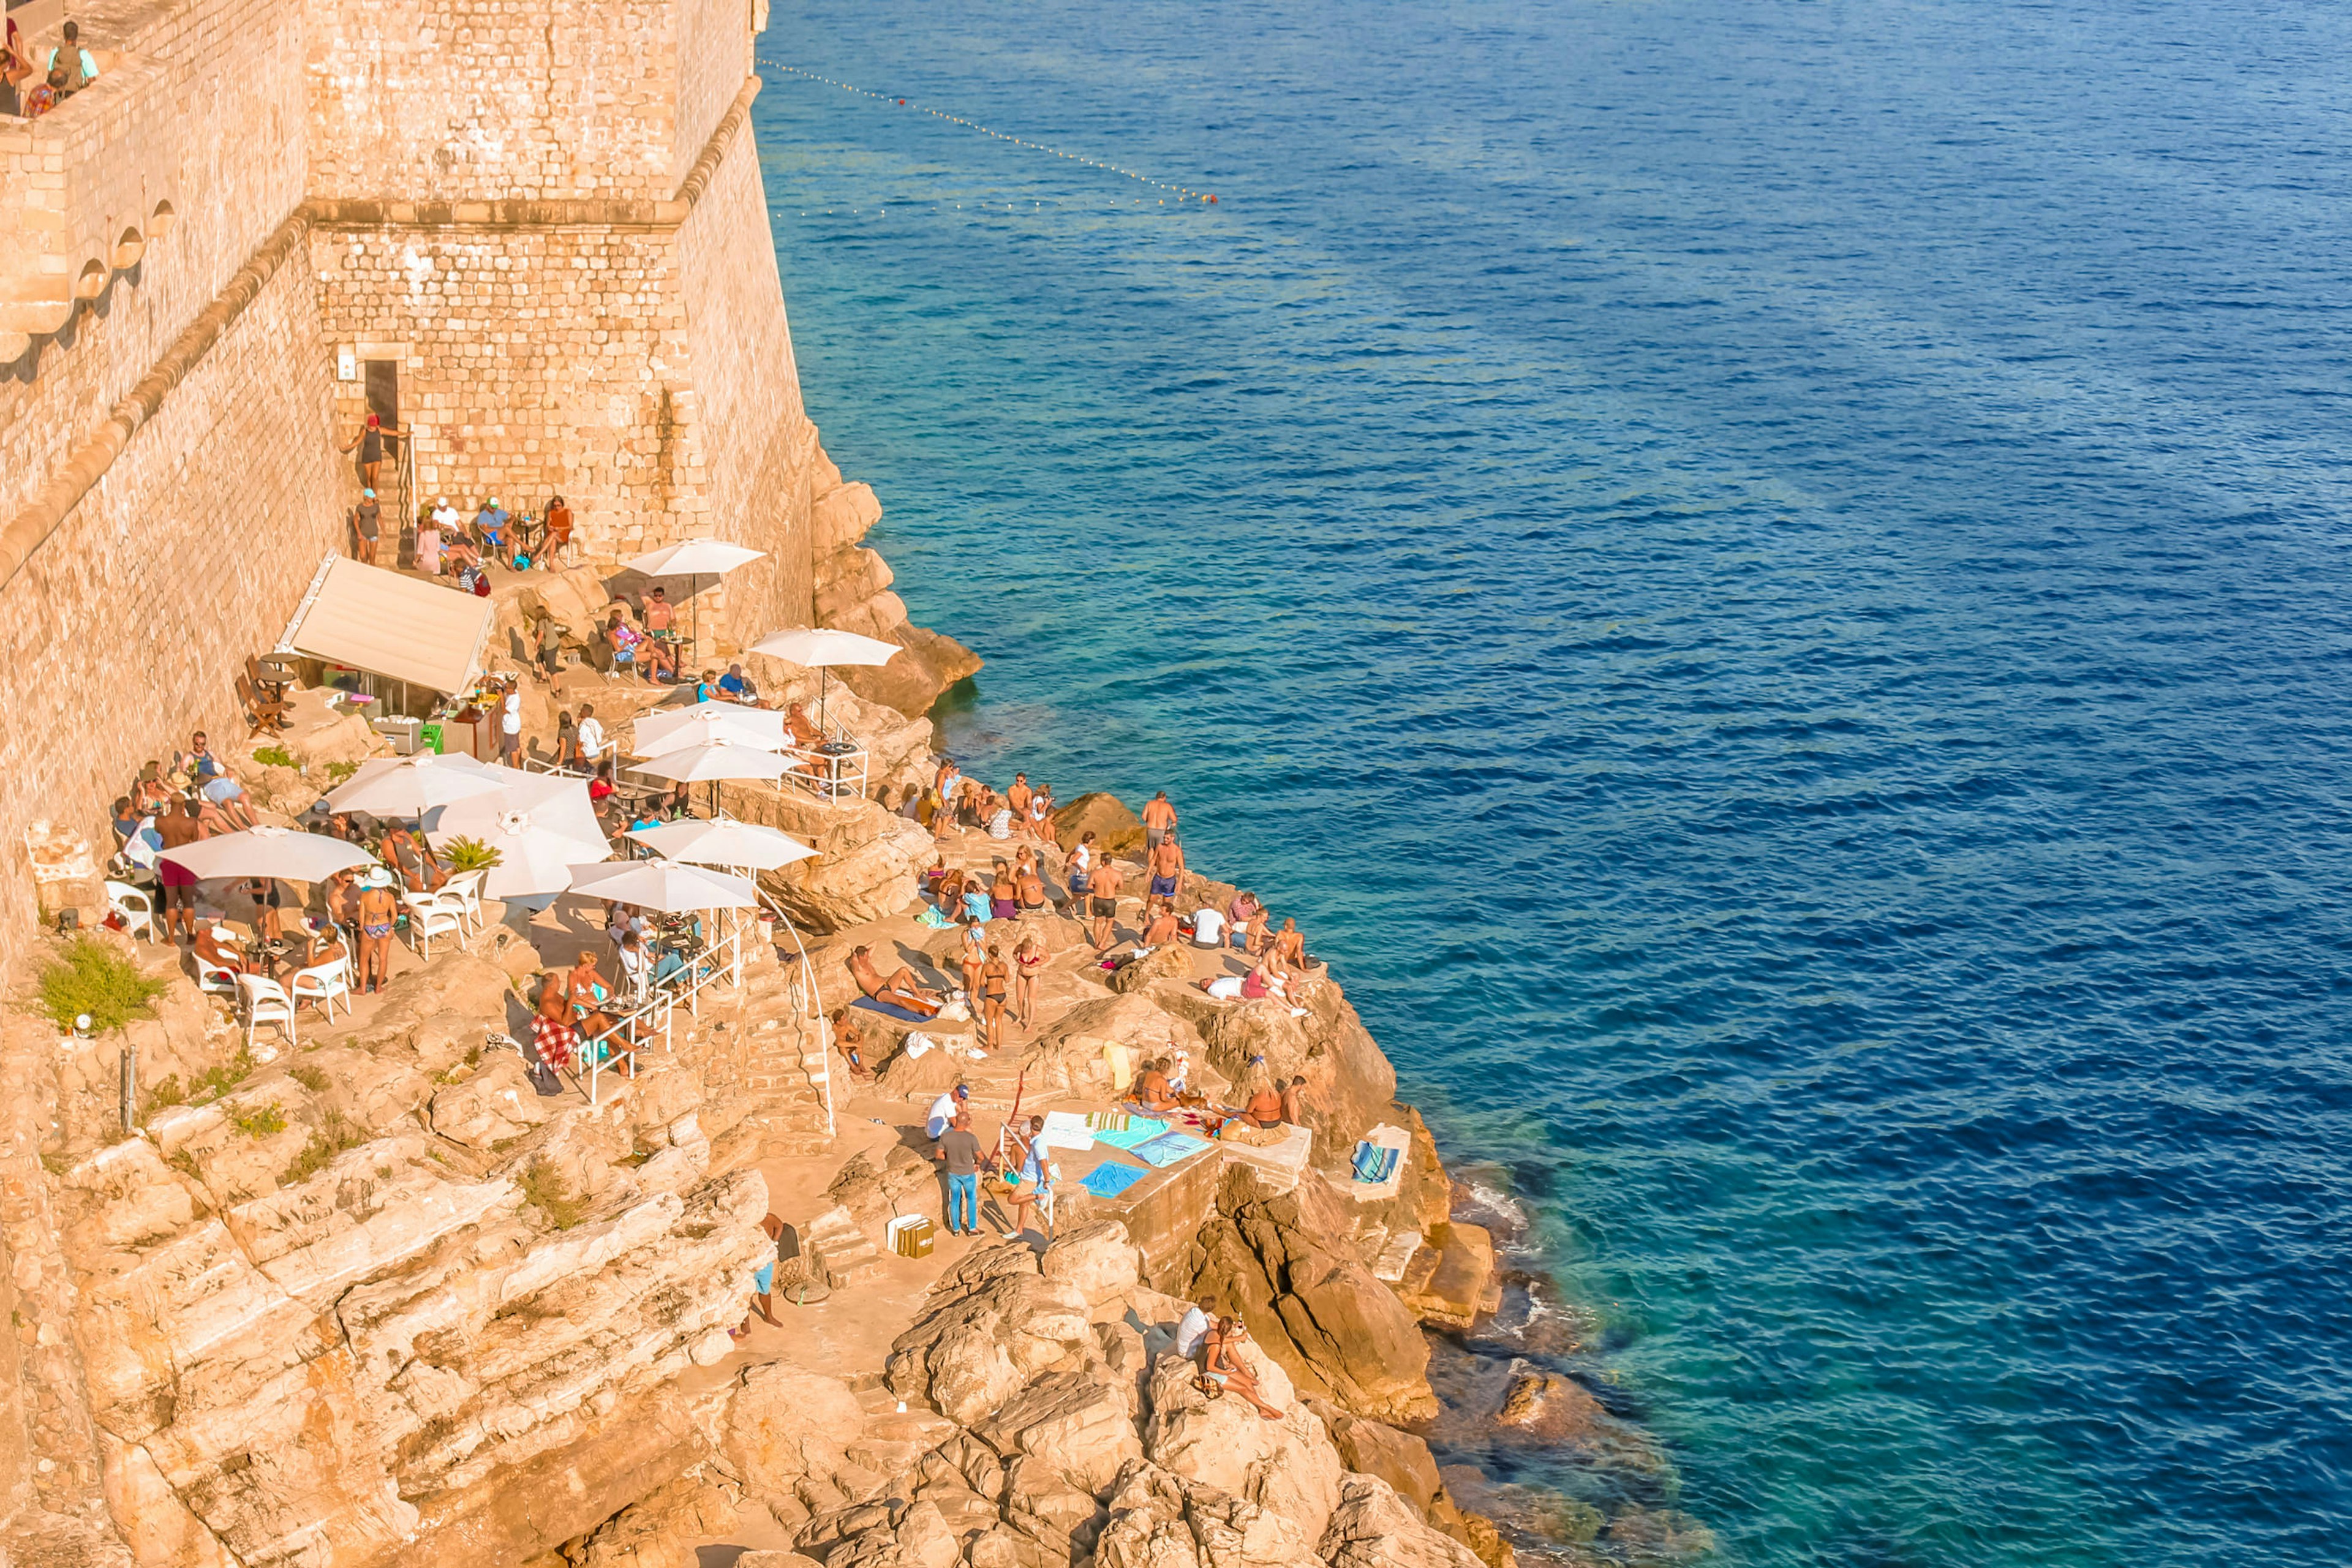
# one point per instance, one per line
(852, 592)
(367, 1301)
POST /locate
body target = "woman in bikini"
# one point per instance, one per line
(378, 909)
(1029, 887)
(996, 981)
(586, 991)
(897, 990)
(1028, 964)
(972, 958)
(1004, 894)
(1041, 816)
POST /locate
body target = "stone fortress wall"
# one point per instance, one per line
(551, 222)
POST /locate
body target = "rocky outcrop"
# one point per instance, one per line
(1117, 830)
(852, 592)
(1281, 1264)
(1068, 1055)
(866, 862)
(1374, 1527)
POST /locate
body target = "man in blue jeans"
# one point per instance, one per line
(959, 1151)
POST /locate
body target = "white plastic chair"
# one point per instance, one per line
(135, 905)
(464, 889)
(429, 915)
(265, 1002)
(213, 978)
(323, 985)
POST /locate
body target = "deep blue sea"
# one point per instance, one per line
(1769, 581)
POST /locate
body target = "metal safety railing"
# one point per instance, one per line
(656, 1009)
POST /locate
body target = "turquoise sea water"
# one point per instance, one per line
(1767, 579)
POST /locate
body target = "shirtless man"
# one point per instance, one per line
(378, 910)
(1292, 1095)
(1167, 861)
(1158, 820)
(1018, 798)
(1221, 1365)
(1288, 953)
(1159, 922)
(1102, 902)
(898, 988)
(178, 828)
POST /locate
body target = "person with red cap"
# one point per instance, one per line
(370, 441)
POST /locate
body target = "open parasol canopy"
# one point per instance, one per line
(411, 786)
(722, 843)
(279, 853)
(666, 885)
(708, 723)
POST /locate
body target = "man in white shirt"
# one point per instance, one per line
(1190, 1331)
(1208, 928)
(592, 739)
(944, 1108)
(511, 725)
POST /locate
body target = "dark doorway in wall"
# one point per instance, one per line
(383, 389)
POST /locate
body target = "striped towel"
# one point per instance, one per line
(1108, 1120)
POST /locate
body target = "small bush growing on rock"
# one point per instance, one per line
(93, 978)
(169, 1092)
(309, 1077)
(341, 773)
(339, 1133)
(273, 756)
(544, 1188)
(217, 1081)
(261, 1122)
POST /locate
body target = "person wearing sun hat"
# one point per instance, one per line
(379, 912)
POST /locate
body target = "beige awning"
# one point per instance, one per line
(392, 625)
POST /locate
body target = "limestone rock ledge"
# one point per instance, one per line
(388, 1305)
(852, 591)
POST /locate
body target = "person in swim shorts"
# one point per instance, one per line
(1102, 903)
(1167, 867)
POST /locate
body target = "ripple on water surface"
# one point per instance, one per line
(1766, 579)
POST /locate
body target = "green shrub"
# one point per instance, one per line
(338, 1133)
(169, 1092)
(261, 1122)
(309, 1077)
(544, 1188)
(93, 978)
(217, 1081)
(341, 773)
(273, 756)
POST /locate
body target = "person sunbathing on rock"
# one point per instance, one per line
(897, 989)
(1222, 1365)
(1264, 1110)
(1151, 1094)
(850, 1041)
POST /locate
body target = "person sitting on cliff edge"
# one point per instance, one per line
(1222, 1367)
(897, 989)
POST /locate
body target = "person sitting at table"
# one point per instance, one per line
(735, 686)
(413, 858)
(804, 733)
(622, 640)
(897, 989)
(148, 795)
(217, 948)
(553, 1036)
(460, 557)
(322, 943)
(660, 660)
(269, 897)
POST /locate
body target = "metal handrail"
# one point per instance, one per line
(664, 997)
(813, 1000)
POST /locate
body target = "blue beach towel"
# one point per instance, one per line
(1373, 1163)
(1110, 1178)
(887, 1011)
(1168, 1148)
(1138, 1130)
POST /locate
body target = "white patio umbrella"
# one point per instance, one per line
(712, 763)
(822, 648)
(411, 786)
(666, 885)
(279, 853)
(541, 825)
(707, 724)
(695, 560)
(722, 843)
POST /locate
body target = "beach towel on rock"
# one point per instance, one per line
(1138, 1130)
(1110, 1178)
(1168, 1148)
(1066, 1129)
(887, 1011)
